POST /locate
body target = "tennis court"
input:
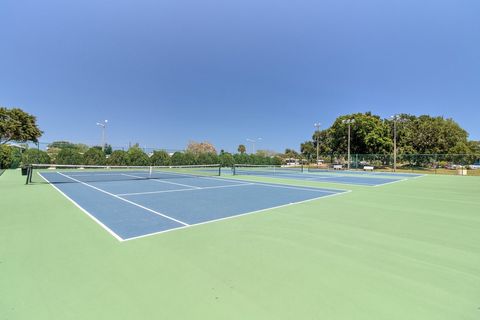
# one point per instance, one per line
(361, 178)
(133, 203)
(402, 250)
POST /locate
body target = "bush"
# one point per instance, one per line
(160, 158)
(240, 158)
(119, 158)
(31, 156)
(207, 158)
(177, 158)
(189, 159)
(16, 158)
(276, 161)
(5, 156)
(94, 156)
(69, 156)
(226, 160)
(138, 157)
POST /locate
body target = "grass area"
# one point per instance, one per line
(407, 250)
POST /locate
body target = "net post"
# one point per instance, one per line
(28, 174)
(219, 170)
(234, 169)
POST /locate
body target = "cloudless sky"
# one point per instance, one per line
(166, 72)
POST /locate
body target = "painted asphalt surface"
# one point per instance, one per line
(344, 177)
(131, 206)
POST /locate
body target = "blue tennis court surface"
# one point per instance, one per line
(135, 207)
(372, 179)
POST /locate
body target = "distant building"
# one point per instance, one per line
(292, 162)
(16, 145)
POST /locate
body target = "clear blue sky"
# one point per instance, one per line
(166, 72)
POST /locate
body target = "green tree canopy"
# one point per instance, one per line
(241, 158)
(61, 144)
(16, 158)
(324, 142)
(369, 134)
(430, 135)
(226, 159)
(189, 158)
(308, 150)
(94, 156)
(6, 156)
(290, 153)
(372, 135)
(35, 156)
(160, 158)
(207, 158)
(242, 149)
(138, 157)
(17, 125)
(276, 161)
(108, 149)
(118, 158)
(177, 158)
(474, 146)
(69, 156)
(54, 148)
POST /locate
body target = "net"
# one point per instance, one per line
(318, 169)
(250, 169)
(40, 173)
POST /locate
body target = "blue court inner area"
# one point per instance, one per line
(131, 206)
(372, 179)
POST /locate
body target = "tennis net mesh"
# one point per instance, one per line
(41, 173)
(250, 169)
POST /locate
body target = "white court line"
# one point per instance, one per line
(82, 209)
(123, 199)
(184, 225)
(162, 181)
(295, 188)
(235, 216)
(180, 190)
(272, 184)
(384, 184)
(279, 184)
(95, 174)
(365, 184)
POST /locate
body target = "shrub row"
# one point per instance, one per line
(137, 157)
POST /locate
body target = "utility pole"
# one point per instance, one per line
(104, 126)
(349, 122)
(395, 118)
(253, 141)
(317, 125)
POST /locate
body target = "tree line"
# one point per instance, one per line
(370, 134)
(66, 153)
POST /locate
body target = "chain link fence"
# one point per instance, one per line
(415, 163)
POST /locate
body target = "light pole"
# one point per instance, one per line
(317, 125)
(104, 126)
(396, 118)
(253, 141)
(349, 122)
